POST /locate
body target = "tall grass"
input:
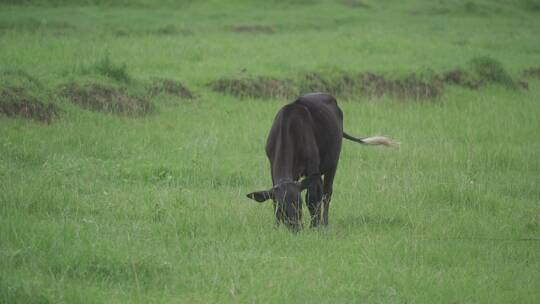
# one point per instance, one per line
(103, 208)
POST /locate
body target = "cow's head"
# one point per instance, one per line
(287, 201)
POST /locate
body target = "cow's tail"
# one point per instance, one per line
(373, 140)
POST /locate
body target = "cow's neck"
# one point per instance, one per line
(284, 164)
(283, 167)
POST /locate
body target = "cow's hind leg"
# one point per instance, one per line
(327, 194)
(313, 201)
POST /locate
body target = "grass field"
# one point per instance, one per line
(130, 132)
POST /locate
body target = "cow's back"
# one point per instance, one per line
(327, 126)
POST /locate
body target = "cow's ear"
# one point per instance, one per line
(260, 196)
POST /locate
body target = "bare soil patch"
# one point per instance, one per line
(107, 99)
(171, 87)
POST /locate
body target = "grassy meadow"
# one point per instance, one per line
(130, 132)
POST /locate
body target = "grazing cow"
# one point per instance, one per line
(305, 141)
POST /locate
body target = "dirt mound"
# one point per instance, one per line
(22, 95)
(335, 83)
(170, 30)
(107, 99)
(531, 5)
(18, 102)
(167, 30)
(355, 3)
(489, 70)
(426, 86)
(171, 87)
(483, 71)
(409, 87)
(255, 87)
(254, 29)
(371, 85)
(461, 78)
(413, 87)
(532, 72)
(340, 84)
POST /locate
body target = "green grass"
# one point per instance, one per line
(97, 207)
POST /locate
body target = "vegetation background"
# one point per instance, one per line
(130, 132)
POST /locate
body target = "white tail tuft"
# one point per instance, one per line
(380, 140)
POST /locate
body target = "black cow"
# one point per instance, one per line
(305, 141)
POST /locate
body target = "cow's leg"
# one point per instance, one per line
(327, 194)
(313, 201)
